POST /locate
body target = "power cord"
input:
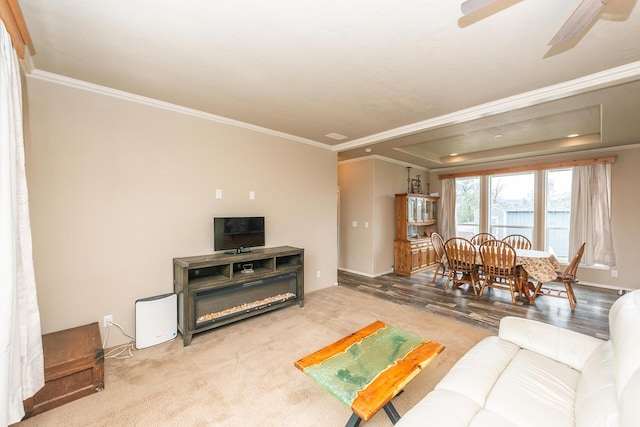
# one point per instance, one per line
(117, 352)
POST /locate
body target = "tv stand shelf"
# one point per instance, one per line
(218, 289)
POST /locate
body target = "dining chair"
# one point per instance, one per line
(463, 265)
(518, 241)
(562, 286)
(477, 240)
(480, 238)
(441, 258)
(500, 267)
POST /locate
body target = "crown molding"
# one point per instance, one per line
(143, 100)
(610, 77)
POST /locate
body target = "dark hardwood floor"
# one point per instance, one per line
(590, 316)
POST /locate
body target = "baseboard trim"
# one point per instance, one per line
(620, 289)
(360, 273)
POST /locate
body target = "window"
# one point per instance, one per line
(557, 212)
(467, 207)
(511, 207)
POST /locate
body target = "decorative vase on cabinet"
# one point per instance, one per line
(415, 221)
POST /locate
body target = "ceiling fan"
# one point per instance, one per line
(586, 12)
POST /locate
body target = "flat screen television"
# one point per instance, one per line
(238, 234)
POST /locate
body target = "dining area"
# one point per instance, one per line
(484, 263)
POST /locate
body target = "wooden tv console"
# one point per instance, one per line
(215, 290)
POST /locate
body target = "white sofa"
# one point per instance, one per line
(535, 374)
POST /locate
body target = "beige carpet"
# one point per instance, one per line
(243, 374)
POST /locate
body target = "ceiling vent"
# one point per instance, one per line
(336, 136)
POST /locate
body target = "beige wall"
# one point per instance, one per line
(390, 179)
(625, 208)
(367, 189)
(356, 180)
(118, 189)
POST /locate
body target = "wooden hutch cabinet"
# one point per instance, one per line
(415, 221)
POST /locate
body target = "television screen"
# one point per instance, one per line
(237, 233)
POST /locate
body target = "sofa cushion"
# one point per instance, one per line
(596, 400)
(458, 397)
(535, 390)
(624, 318)
(440, 408)
(630, 408)
(475, 374)
(563, 345)
(486, 418)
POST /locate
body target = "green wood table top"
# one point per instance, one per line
(366, 369)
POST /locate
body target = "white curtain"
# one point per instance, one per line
(590, 214)
(447, 222)
(21, 361)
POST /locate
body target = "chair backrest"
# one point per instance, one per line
(498, 258)
(438, 245)
(518, 241)
(480, 238)
(461, 254)
(569, 274)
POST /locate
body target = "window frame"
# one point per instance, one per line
(539, 229)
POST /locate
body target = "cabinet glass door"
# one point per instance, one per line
(433, 210)
(427, 210)
(419, 209)
(411, 209)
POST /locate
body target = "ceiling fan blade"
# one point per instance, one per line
(470, 6)
(586, 12)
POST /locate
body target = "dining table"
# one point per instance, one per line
(541, 266)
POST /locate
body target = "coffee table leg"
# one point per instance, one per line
(391, 412)
(354, 421)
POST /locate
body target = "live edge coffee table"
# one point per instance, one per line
(368, 368)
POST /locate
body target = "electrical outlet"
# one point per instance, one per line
(614, 273)
(107, 320)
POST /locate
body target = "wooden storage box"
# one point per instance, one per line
(73, 368)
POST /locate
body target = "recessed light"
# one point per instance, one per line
(573, 135)
(497, 135)
(453, 154)
(368, 150)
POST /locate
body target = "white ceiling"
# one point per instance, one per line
(415, 81)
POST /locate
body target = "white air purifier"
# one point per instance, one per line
(156, 320)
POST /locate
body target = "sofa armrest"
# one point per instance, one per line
(565, 346)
